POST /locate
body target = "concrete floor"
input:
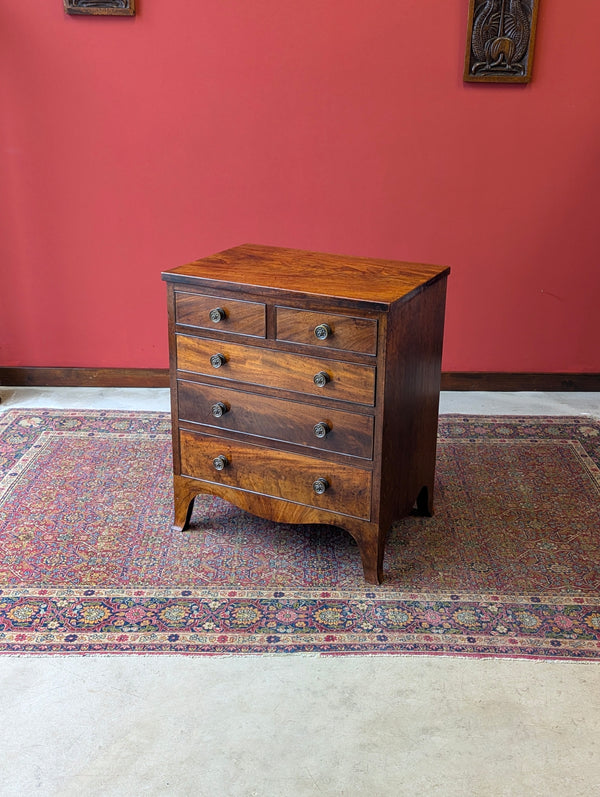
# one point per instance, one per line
(299, 725)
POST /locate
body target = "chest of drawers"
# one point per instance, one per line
(305, 388)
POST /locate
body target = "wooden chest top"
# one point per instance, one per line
(371, 283)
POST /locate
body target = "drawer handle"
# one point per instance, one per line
(220, 462)
(323, 331)
(321, 379)
(217, 314)
(217, 360)
(321, 429)
(219, 409)
(320, 485)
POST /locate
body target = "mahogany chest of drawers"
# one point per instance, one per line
(305, 388)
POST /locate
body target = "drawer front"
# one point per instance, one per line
(327, 329)
(269, 367)
(278, 474)
(276, 419)
(224, 315)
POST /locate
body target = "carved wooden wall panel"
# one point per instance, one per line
(101, 7)
(500, 40)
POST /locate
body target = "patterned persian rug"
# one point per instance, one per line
(508, 566)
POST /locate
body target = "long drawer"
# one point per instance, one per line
(261, 366)
(276, 419)
(279, 474)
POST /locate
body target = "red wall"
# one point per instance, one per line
(130, 145)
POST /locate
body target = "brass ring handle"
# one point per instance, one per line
(220, 462)
(217, 360)
(321, 379)
(321, 429)
(217, 314)
(320, 485)
(219, 409)
(323, 331)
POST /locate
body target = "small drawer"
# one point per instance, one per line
(333, 331)
(276, 419)
(218, 313)
(257, 365)
(279, 474)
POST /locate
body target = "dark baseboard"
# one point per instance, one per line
(85, 377)
(551, 383)
(159, 377)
